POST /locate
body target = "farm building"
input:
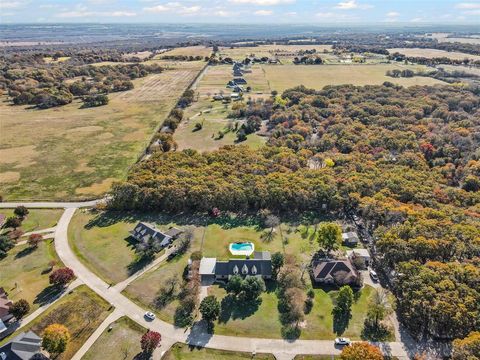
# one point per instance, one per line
(350, 238)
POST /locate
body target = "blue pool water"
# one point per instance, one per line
(241, 246)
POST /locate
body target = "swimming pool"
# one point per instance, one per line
(242, 248)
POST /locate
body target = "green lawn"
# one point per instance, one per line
(183, 352)
(263, 321)
(37, 219)
(249, 320)
(144, 290)
(101, 240)
(24, 272)
(122, 342)
(81, 311)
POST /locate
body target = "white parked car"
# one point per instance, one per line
(343, 341)
(149, 315)
(3, 356)
(373, 275)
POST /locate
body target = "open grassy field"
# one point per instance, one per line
(316, 357)
(37, 219)
(443, 37)
(198, 50)
(81, 311)
(263, 320)
(433, 53)
(287, 76)
(122, 342)
(24, 273)
(280, 51)
(102, 241)
(183, 352)
(73, 153)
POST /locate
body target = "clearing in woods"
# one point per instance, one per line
(73, 153)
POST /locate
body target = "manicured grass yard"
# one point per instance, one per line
(37, 219)
(316, 357)
(144, 290)
(122, 342)
(81, 312)
(102, 242)
(264, 322)
(183, 352)
(23, 272)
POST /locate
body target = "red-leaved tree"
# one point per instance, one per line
(61, 277)
(150, 340)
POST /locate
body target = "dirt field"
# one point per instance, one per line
(433, 53)
(73, 153)
(287, 76)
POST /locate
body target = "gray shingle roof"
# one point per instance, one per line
(143, 231)
(23, 346)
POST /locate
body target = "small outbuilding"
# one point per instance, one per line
(350, 238)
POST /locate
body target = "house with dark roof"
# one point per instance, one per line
(240, 81)
(260, 264)
(145, 232)
(337, 272)
(22, 347)
(5, 304)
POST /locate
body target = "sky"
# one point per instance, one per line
(242, 11)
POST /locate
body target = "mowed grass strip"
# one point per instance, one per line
(37, 219)
(24, 273)
(72, 153)
(183, 352)
(81, 311)
(121, 342)
(284, 77)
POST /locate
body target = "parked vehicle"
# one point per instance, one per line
(149, 315)
(343, 341)
(373, 275)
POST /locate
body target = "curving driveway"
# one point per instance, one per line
(196, 336)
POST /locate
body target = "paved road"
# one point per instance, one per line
(196, 336)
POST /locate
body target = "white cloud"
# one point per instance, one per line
(472, 12)
(468, 6)
(263, 12)
(83, 11)
(11, 4)
(416, 19)
(174, 7)
(393, 14)
(291, 13)
(351, 5)
(122, 13)
(263, 2)
(222, 13)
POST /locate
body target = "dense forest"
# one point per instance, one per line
(404, 159)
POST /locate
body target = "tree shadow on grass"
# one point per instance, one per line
(24, 252)
(49, 294)
(340, 321)
(372, 332)
(138, 264)
(233, 308)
